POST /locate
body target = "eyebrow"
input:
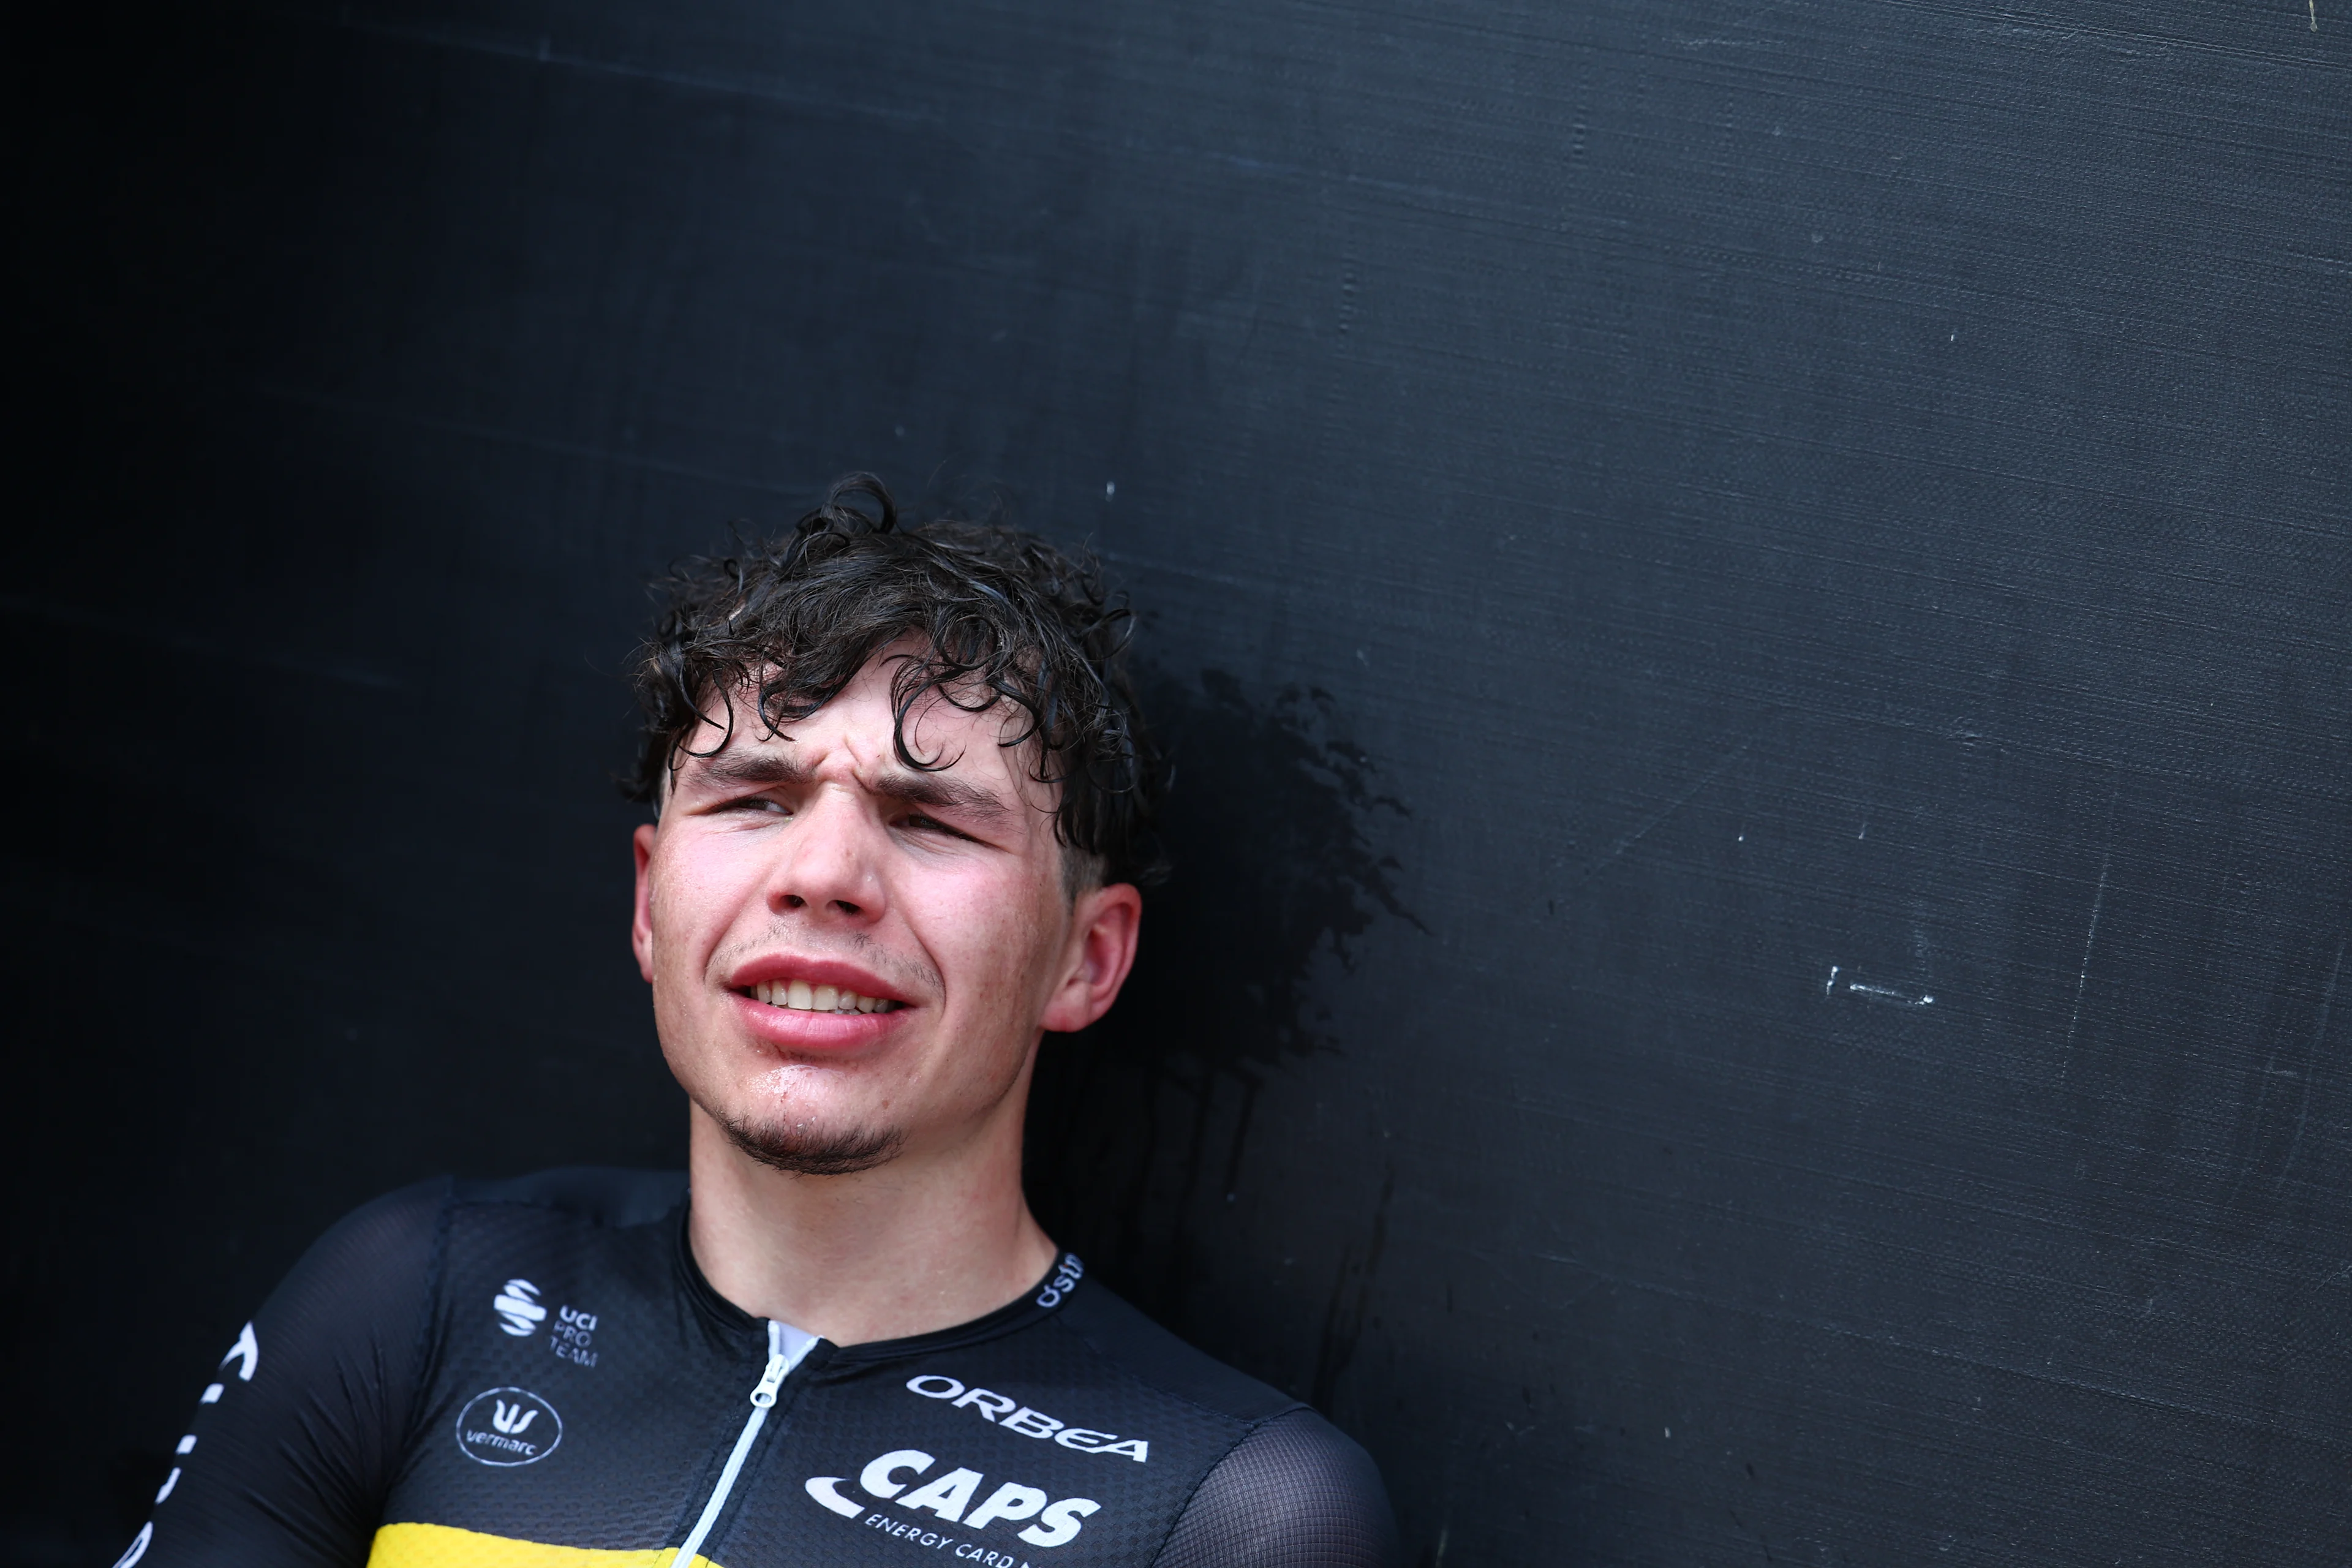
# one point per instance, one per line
(756, 770)
(768, 769)
(940, 793)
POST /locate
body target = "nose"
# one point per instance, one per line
(826, 864)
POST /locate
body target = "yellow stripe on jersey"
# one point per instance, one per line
(442, 1546)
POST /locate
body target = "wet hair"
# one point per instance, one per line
(1000, 617)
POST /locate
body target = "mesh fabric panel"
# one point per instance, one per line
(1295, 1494)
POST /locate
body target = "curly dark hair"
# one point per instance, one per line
(1005, 616)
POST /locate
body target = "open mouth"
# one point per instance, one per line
(800, 997)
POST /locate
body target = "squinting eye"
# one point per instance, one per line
(762, 803)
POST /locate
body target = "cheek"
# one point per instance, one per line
(998, 944)
(696, 898)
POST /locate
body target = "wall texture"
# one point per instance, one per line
(1752, 599)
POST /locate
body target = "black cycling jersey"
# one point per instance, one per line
(535, 1374)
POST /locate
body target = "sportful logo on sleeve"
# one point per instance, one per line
(246, 1354)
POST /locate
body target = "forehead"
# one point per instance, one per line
(858, 731)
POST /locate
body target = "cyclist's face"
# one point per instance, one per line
(851, 958)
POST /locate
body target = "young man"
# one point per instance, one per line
(901, 796)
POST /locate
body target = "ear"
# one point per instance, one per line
(641, 910)
(1105, 923)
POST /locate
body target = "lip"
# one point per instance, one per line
(832, 1034)
(816, 972)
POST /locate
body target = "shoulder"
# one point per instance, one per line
(382, 1242)
(399, 1241)
(406, 1224)
(1292, 1490)
(1295, 1493)
(1301, 1491)
(1151, 1355)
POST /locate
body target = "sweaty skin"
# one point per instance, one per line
(814, 853)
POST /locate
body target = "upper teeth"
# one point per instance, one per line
(807, 998)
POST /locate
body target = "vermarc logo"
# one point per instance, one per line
(507, 1427)
(951, 1497)
(1012, 1415)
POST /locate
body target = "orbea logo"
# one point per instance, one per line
(507, 1427)
(1010, 1415)
(517, 1304)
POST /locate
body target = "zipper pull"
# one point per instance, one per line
(765, 1395)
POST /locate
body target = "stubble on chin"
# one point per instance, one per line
(806, 1151)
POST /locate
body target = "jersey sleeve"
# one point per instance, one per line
(298, 1439)
(1295, 1494)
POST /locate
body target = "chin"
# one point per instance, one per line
(814, 1148)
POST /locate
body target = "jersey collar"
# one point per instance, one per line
(1063, 1279)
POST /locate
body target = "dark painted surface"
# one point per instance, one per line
(1673, 536)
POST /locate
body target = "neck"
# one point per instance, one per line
(922, 1243)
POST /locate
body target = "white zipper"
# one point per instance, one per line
(786, 1346)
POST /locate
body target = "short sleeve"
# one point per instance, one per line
(297, 1440)
(1295, 1494)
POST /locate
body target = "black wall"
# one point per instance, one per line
(1751, 598)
